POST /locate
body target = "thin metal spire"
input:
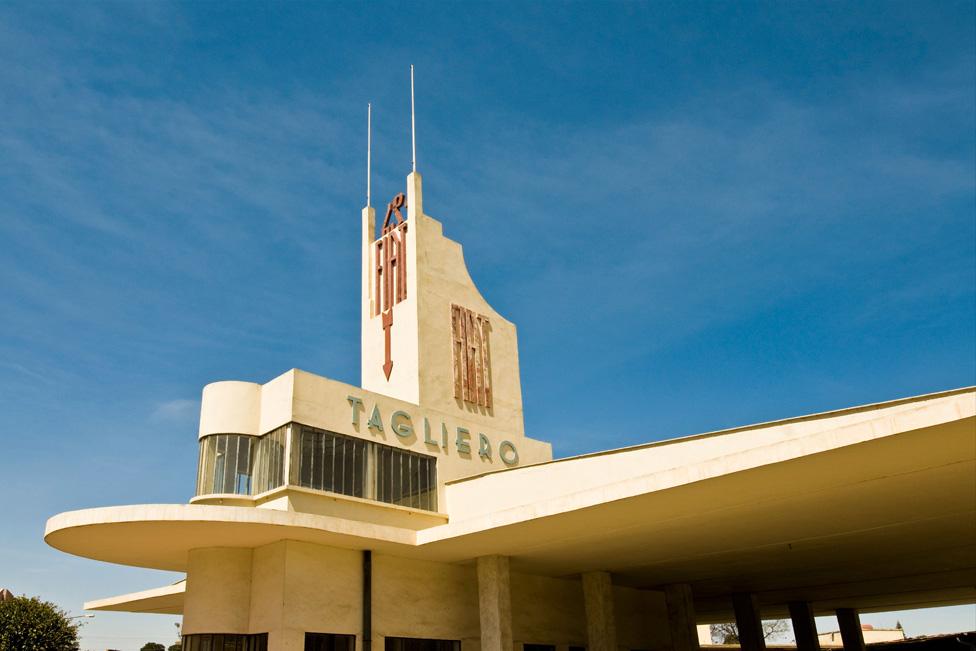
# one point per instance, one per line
(369, 148)
(413, 122)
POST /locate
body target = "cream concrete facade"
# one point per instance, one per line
(868, 508)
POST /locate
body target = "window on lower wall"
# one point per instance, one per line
(418, 644)
(225, 642)
(329, 642)
(538, 647)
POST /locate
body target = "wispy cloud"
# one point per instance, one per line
(110, 189)
(176, 411)
(686, 220)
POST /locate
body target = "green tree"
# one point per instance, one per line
(29, 623)
(153, 646)
(176, 647)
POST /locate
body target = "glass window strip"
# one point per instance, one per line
(360, 468)
(236, 463)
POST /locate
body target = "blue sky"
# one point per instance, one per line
(701, 214)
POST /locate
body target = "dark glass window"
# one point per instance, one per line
(322, 460)
(538, 647)
(225, 642)
(329, 642)
(350, 466)
(330, 462)
(417, 644)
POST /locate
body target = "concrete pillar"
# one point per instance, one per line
(804, 626)
(749, 622)
(681, 617)
(495, 603)
(850, 629)
(601, 630)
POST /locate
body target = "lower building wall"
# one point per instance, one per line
(424, 599)
(547, 610)
(289, 588)
(218, 591)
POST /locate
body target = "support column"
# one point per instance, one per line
(749, 622)
(804, 626)
(681, 617)
(849, 622)
(495, 603)
(601, 630)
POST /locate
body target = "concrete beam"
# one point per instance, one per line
(804, 626)
(601, 629)
(749, 622)
(681, 617)
(495, 603)
(849, 622)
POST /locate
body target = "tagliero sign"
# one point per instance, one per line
(401, 423)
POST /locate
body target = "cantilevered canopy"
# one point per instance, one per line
(872, 508)
(167, 600)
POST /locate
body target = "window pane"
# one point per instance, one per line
(387, 477)
(396, 463)
(427, 501)
(352, 475)
(220, 452)
(339, 447)
(305, 476)
(242, 478)
(351, 466)
(225, 464)
(414, 484)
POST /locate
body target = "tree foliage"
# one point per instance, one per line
(153, 646)
(176, 647)
(728, 633)
(29, 623)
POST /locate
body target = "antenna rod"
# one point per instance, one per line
(413, 122)
(369, 147)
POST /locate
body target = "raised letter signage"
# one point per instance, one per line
(391, 272)
(472, 356)
(401, 423)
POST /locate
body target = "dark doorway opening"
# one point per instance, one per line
(329, 642)
(417, 644)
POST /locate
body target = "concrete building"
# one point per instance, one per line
(871, 635)
(414, 512)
